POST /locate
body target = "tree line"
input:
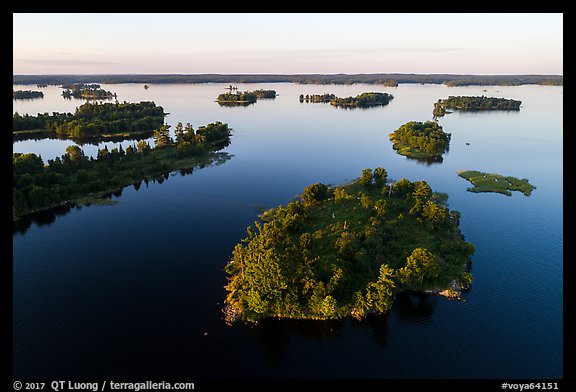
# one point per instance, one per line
(95, 119)
(38, 186)
(472, 103)
(27, 94)
(376, 78)
(86, 91)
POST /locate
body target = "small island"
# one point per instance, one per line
(490, 182)
(243, 98)
(317, 98)
(346, 251)
(86, 91)
(466, 103)
(27, 94)
(77, 178)
(421, 140)
(93, 121)
(363, 100)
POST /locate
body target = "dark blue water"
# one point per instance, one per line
(135, 289)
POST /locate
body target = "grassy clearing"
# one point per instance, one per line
(491, 182)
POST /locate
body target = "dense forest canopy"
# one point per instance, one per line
(246, 97)
(96, 119)
(347, 251)
(473, 103)
(417, 139)
(317, 98)
(38, 186)
(86, 91)
(386, 79)
(363, 100)
(27, 94)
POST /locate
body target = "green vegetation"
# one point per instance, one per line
(265, 93)
(420, 140)
(27, 94)
(244, 98)
(473, 104)
(346, 251)
(363, 100)
(95, 120)
(489, 182)
(378, 79)
(317, 98)
(38, 186)
(86, 91)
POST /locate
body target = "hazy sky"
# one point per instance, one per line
(288, 43)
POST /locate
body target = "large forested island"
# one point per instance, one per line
(27, 94)
(468, 103)
(38, 186)
(491, 182)
(363, 100)
(94, 120)
(347, 251)
(420, 140)
(86, 91)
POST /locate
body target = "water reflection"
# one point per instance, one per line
(47, 217)
(234, 104)
(80, 140)
(274, 335)
(414, 306)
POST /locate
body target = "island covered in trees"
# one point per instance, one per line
(86, 91)
(468, 103)
(347, 251)
(360, 101)
(74, 177)
(27, 94)
(490, 182)
(317, 98)
(93, 121)
(421, 140)
(244, 97)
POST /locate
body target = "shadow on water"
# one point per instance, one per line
(48, 216)
(427, 161)
(275, 335)
(82, 140)
(415, 306)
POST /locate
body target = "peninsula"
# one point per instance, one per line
(346, 251)
(75, 177)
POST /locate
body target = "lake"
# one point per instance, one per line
(135, 289)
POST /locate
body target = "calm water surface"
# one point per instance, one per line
(135, 289)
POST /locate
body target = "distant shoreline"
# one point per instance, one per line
(373, 78)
